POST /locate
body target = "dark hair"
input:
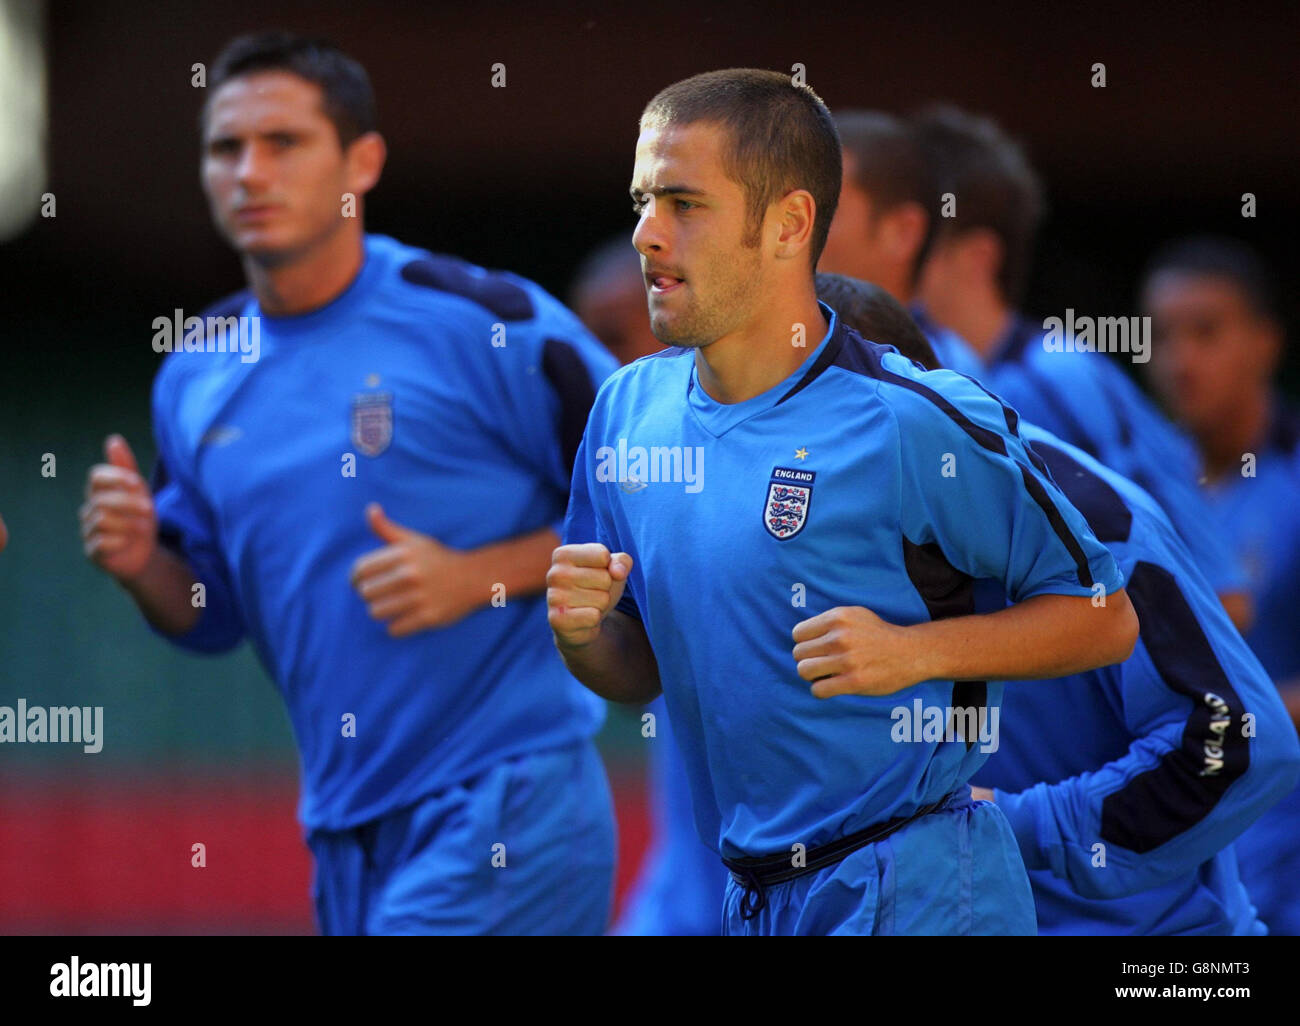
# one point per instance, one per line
(876, 315)
(993, 183)
(348, 100)
(1220, 257)
(890, 167)
(782, 138)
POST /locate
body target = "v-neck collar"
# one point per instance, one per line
(718, 418)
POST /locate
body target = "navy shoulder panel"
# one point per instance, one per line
(1107, 514)
(492, 290)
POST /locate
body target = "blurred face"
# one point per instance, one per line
(1211, 353)
(614, 310)
(703, 273)
(273, 169)
(853, 245)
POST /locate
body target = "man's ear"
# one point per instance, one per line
(906, 227)
(1271, 340)
(365, 159)
(798, 214)
(982, 251)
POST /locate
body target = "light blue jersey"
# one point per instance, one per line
(1086, 400)
(456, 398)
(1127, 784)
(860, 480)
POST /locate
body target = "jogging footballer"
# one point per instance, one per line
(821, 557)
(373, 500)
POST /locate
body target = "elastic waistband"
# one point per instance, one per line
(758, 874)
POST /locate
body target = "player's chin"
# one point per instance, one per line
(263, 243)
(671, 331)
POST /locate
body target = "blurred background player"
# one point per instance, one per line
(1126, 785)
(975, 274)
(827, 825)
(1217, 345)
(373, 500)
(608, 295)
(886, 218)
(678, 887)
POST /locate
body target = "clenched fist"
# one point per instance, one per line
(849, 650)
(583, 585)
(119, 528)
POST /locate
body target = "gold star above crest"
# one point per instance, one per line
(801, 453)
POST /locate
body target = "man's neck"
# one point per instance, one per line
(756, 358)
(310, 280)
(898, 283)
(983, 321)
(1223, 445)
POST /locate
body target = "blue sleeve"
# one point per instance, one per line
(1213, 749)
(552, 369)
(971, 486)
(586, 520)
(186, 526)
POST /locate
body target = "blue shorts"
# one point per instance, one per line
(524, 848)
(955, 871)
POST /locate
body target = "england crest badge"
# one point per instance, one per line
(372, 421)
(789, 494)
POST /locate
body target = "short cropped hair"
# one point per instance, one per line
(348, 100)
(890, 167)
(876, 315)
(780, 138)
(1220, 257)
(992, 182)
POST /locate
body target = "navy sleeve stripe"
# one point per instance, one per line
(1159, 804)
(169, 537)
(568, 375)
(861, 357)
(1107, 514)
(1059, 526)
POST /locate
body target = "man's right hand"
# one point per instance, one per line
(119, 528)
(583, 585)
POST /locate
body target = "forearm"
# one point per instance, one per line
(519, 564)
(164, 591)
(618, 664)
(1043, 637)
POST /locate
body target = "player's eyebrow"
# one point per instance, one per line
(664, 190)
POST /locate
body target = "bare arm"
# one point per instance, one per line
(605, 649)
(618, 664)
(1043, 637)
(850, 650)
(164, 591)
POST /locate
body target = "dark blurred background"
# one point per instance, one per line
(529, 177)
